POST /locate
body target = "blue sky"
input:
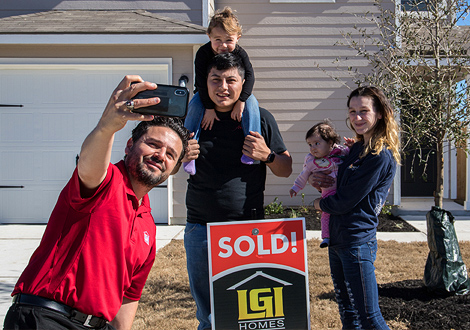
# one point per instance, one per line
(466, 21)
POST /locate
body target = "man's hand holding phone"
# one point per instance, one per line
(117, 113)
(173, 101)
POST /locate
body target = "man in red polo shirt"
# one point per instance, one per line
(99, 245)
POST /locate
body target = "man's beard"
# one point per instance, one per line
(144, 175)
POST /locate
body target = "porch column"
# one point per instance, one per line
(450, 171)
(466, 202)
(395, 194)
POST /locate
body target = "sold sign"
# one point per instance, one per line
(258, 274)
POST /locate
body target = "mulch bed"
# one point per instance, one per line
(405, 300)
(410, 300)
(387, 223)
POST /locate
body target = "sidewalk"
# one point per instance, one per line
(414, 209)
(18, 242)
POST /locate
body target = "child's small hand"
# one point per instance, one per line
(192, 151)
(237, 110)
(292, 193)
(208, 119)
(348, 142)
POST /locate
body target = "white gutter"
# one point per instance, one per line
(103, 39)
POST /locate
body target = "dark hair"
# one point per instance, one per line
(227, 61)
(326, 131)
(174, 123)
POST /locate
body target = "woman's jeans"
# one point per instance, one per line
(250, 119)
(195, 244)
(353, 275)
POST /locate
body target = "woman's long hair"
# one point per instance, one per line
(385, 133)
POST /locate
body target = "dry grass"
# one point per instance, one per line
(167, 303)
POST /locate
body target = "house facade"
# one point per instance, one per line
(60, 60)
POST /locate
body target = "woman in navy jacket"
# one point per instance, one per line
(363, 182)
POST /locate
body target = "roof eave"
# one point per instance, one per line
(103, 39)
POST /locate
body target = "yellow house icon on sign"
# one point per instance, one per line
(260, 303)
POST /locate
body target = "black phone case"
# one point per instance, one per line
(173, 101)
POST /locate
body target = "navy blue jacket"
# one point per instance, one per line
(362, 188)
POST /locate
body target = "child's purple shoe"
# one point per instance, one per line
(190, 167)
(325, 243)
(247, 160)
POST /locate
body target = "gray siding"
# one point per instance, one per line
(286, 43)
(185, 10)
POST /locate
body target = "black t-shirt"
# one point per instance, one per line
(224, 189)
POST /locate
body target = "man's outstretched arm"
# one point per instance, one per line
(95, 153)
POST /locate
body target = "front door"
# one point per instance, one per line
(418, 178)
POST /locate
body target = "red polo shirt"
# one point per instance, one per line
(94, 250)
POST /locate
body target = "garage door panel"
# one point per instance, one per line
(58, 128)
(40, 141)
(57, 88)
(88, 121)
(99, 90)
(17, 167)
(99, 87)
(57, 166)
(21, 205)
(17, 127)
(49, 199)
(16, 87)
(159, 203)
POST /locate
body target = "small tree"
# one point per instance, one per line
(419, 56)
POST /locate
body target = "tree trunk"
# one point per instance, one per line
(439, 192)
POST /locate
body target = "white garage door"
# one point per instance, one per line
(39, 142)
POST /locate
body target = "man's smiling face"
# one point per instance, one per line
(224, 88)
(152, 158)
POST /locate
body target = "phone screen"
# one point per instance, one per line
(173, 101)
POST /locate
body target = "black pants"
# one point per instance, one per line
(25, 317)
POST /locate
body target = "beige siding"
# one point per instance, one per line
(287, 44)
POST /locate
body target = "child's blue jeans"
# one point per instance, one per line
(250, 119)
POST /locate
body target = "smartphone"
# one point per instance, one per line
(173, 101)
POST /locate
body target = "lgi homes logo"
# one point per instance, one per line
(261, 308)
(258, 275)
